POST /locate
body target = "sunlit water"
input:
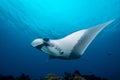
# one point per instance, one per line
(21, 21)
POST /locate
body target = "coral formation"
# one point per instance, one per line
(67, 76)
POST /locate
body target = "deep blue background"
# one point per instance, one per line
(21, 21)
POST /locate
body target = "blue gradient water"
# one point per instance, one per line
(21, 21)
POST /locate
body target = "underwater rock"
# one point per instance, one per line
(7, 77)
(67, 76)
(93, 77)
(23, 77)
(51, 76)
(77, 76)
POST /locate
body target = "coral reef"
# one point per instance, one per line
(67, 76)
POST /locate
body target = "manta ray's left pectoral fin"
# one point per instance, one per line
(87, 38)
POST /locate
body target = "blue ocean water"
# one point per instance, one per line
(22, 21)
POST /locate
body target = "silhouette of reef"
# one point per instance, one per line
(67, 76)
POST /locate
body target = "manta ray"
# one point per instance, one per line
(71, 46)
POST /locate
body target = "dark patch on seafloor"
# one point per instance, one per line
(67, 76)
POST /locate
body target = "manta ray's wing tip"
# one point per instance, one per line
(110, 21)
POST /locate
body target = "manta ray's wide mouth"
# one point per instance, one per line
(39, 46)
(39, 43)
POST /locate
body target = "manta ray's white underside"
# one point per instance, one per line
(71, 46)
